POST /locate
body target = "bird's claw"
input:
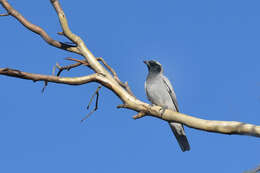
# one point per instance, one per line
(162, 110)
(150, 106)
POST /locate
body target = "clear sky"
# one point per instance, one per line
(209, 50)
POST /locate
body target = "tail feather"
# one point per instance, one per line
(180, 135)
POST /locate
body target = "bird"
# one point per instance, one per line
(159, 91)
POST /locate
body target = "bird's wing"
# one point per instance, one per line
(170, 90)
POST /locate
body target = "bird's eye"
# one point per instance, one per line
(153, 64)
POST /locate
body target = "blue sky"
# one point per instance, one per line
(209, 50)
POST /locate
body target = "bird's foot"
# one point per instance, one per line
(162, 110)
(150, 106)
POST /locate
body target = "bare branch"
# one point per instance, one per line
(64, 24)
(95, 93)
(124, 85)
(224, 127)
(79, 61)
(55, 79)
(36, 29)
(60, 33)
(90, 58)
(44, 86)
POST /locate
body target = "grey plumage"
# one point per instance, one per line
(160, 92)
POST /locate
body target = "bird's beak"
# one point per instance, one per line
(146, 62)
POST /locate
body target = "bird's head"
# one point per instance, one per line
(154, 66)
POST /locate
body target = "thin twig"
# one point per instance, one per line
(60, 33)
(67, 67)
(124, 85)
(44, 86)
(5, 14)
(108, 67)
(96, 93)
(79, 61)
(128, 89)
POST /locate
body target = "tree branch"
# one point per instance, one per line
(36, 29)
(67, 67)
(55, 79)
(225, 127)
(96, 93)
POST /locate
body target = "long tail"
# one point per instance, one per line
(180, 135)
